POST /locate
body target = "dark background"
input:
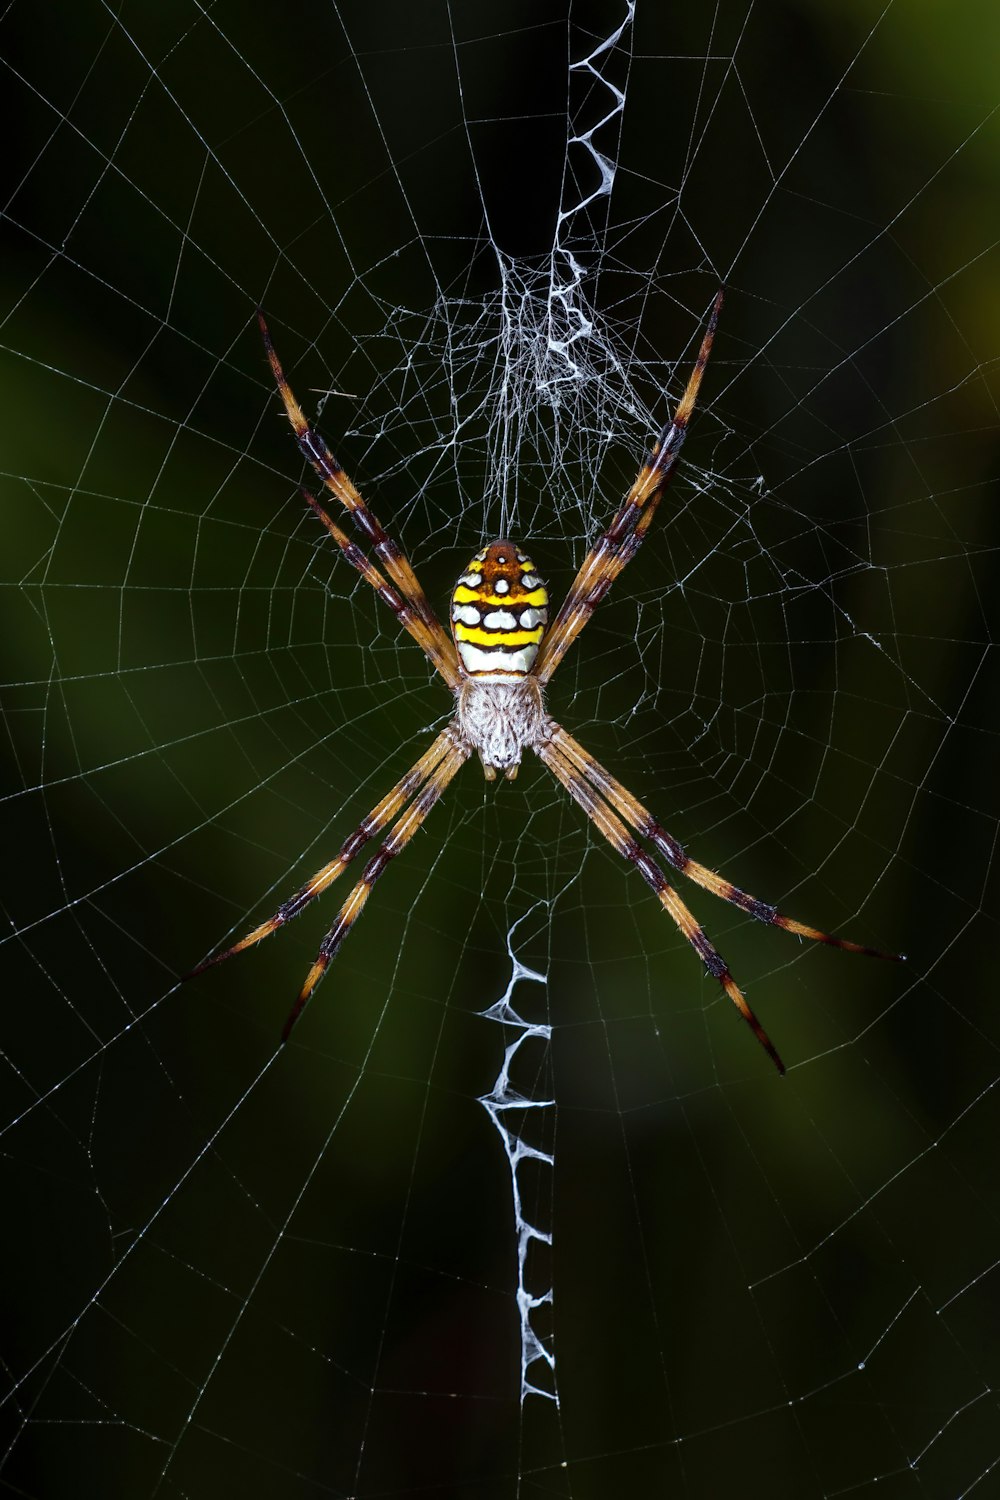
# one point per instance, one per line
(232, 1270)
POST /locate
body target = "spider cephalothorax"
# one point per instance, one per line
(497, 662)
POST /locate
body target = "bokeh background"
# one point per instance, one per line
(232, 1269)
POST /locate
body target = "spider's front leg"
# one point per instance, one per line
(396, 841)
(611, 806)
(618, 836)
(424, 782)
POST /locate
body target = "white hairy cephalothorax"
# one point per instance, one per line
(501, 719)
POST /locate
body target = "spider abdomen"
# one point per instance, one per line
(499, 611)
(500, 719)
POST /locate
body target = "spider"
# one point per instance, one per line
(497, 662)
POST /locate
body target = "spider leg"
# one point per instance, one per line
(388, 551)
(627, 531)
(646, 826)
(411, 622)
(618, 836)
(382, 813)
(398, 837)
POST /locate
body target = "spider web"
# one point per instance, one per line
(486, 239)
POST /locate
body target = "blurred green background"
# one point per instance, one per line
(233, 1270)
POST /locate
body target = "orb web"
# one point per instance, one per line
(485, 241)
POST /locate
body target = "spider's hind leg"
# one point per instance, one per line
(396, 563)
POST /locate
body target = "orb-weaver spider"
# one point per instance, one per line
(497, 663)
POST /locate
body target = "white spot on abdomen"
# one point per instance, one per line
(467, 613)
(496, 660)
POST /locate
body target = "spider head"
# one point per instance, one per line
(499, 610)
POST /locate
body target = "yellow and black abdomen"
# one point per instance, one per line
(499, 611)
